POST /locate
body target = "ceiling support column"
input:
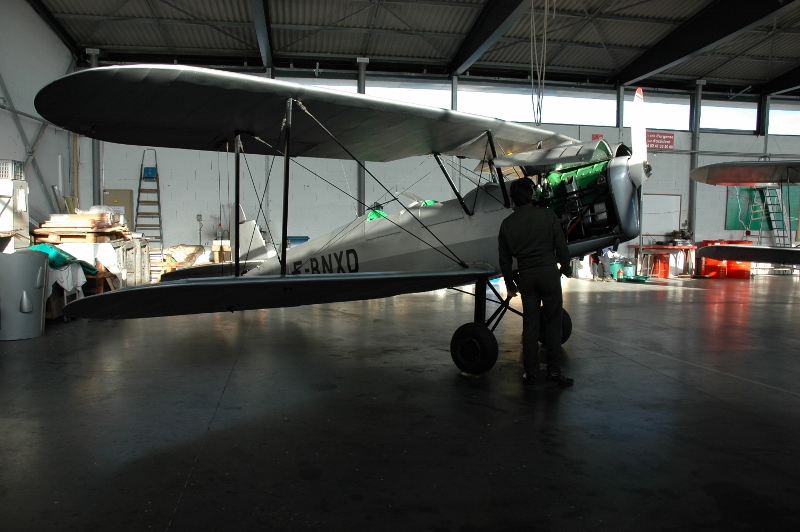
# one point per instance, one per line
(697, 101)
(286, 160)
(361, 183)
(620, 111)
(762, 119)
(97, 147)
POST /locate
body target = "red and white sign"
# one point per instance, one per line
(597, 136)
(660, 141)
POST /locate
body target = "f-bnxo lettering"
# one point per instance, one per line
(324, 264)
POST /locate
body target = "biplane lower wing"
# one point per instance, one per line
(199, 296)
(768, 254)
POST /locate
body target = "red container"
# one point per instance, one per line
(661, 265)
(713, 267)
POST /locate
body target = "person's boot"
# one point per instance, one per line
(559, 378)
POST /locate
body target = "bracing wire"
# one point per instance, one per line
(334, 237)
(454, 257)
(330, 241)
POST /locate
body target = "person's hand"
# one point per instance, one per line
(511, 290)
(566, 271)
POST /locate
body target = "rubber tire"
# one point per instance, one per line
(566, 328)
(474, 348)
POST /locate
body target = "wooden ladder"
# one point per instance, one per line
(148, 213)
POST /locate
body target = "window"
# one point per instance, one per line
(515, 103)
(784, 118)
(728, 115)
(429, 93)
(662, 111)
(346, 85)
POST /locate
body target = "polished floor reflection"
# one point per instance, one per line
(685, 415)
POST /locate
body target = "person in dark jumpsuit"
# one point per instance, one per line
(534, 237)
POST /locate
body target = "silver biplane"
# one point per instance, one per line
(594, 187)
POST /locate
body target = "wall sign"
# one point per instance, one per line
(660, 141)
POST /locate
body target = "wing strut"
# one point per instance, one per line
(237, 170)
(286, 160)
(500, 178)
(452, 185)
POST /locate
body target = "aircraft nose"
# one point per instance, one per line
(639, 171)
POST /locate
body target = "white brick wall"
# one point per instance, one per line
(31, 56)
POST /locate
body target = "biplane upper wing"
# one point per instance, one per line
(748, 173)
(193, 108)
(198, 296)
(770, 254)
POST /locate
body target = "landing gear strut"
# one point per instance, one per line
(474, 347)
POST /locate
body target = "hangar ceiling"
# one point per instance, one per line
(737, 46)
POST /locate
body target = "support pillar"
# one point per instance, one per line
(762, 120)
(361, 184)
(454, 93)
(97, 148)
(697, 102)
(620, 111)
(285, 225)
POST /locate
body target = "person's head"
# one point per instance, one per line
(521, 191)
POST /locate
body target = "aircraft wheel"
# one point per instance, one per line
(566, 327)
(474, 348)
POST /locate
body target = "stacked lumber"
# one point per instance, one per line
(89, 227)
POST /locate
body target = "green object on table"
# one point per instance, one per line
(58, 258)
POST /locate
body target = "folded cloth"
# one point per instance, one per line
(58, 258)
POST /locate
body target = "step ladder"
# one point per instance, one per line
(148, 213)
(774, 211)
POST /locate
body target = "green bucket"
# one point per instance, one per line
(615, 267)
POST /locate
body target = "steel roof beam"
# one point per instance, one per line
(715, 24)
(259, 9)
(496, 17)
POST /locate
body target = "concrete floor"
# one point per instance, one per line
(685, 415)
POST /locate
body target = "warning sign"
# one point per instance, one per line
(660, 141)
(597, 136)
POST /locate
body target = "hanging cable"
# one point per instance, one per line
(539, 60)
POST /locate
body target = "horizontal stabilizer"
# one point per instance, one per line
(199, 296)
(175, 106)
(748, 173)
(768, 254)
